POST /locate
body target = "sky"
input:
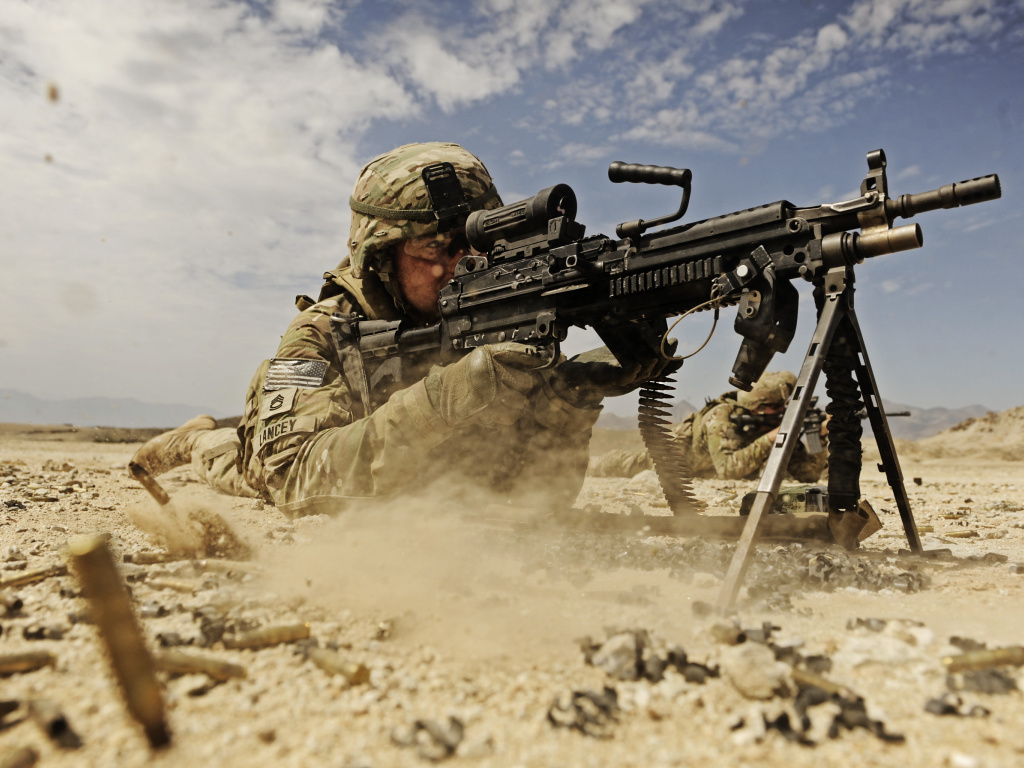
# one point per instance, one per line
(173, 173)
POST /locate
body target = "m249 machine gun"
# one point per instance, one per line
(537, 275)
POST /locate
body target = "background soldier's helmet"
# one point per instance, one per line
(772, 388)
(392, 184)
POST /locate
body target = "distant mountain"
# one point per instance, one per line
(922, 422)
(20, 408)
(994, 435)
(925, 422)
(607, 420)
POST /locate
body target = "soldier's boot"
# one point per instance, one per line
(171, 449)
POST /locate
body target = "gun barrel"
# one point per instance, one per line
(853, 248)
(969, 192)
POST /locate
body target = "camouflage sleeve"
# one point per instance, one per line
(307, 443)
(555, 452)
(806, 467)
(370, 457)
(733, 454)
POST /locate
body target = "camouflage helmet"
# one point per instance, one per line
(392, 184)
(771, 389)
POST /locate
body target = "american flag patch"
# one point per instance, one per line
(307, 374)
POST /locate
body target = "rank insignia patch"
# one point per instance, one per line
(305, 374)
(277, 402)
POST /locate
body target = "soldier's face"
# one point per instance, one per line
(424, 264)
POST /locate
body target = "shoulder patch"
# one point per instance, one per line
(277, 403)
(285, 372)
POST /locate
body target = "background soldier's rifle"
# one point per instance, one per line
(537, 276)
(810, 430)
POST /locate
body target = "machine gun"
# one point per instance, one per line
(537, 275)
(810, 430)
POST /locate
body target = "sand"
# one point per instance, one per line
(460, 614)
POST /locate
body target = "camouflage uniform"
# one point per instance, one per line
(305, 443)
(717, 446)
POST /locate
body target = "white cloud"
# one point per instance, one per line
(813, 80)
(910, 172)
(202, 150)
(200, 153)
(575, 152)
(437, 65)
(926, 27)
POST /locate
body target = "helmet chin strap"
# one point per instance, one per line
(386, 271)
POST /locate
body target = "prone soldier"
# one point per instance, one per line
(311, 440)
(730, 437)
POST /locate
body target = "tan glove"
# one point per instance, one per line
(488, 387)
(586, 379)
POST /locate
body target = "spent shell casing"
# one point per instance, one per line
(22, 757)
(178, 663)
(150, 558)
(31, 577)
(148, 482)
(262, 638)
(177, 585)
(115, 620)
(225, 566)
(332, 663)
(985, 659)
(12, 663)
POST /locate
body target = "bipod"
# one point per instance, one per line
(836, 309)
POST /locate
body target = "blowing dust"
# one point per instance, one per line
(463, 582)
(192, 528)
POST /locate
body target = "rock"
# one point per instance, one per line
(961, 760)
(753, 671)
(646, 482)
(618, 657)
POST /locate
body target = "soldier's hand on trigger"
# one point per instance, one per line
(489, 387)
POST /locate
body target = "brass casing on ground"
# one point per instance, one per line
(30, 577)
(12, 663)
(332, 663)
(986, 659)
(261, 638)
(178, 663)
(115, 620)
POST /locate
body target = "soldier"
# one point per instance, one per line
(718, 444)
(495, 420)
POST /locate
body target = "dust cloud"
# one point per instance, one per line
(472, 584)
(192, 528)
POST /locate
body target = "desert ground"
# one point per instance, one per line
(482, 638)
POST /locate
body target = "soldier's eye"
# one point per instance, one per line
(458, 243)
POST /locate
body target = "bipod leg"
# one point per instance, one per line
(782, 451)
(890, 464)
